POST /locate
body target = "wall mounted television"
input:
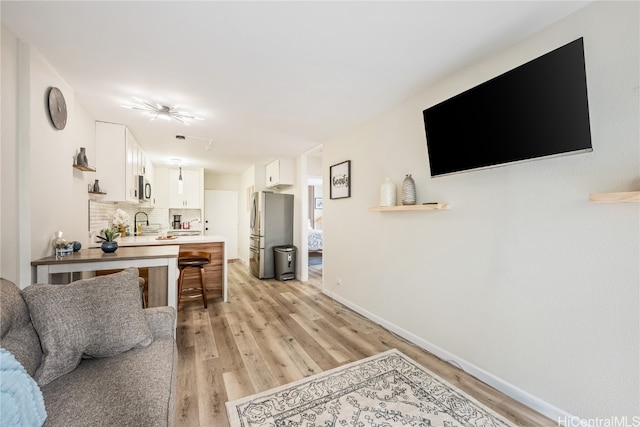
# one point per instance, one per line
(539, 109)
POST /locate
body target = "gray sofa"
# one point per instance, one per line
(99, 359)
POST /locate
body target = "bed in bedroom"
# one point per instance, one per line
(315, 240)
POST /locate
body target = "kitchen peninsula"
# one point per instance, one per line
(161, 262)
(215, 271)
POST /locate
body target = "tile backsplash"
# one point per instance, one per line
(101, 215)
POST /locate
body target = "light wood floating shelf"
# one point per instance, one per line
(623, 197)
(101, 193)
(85, 168)
(405, 208)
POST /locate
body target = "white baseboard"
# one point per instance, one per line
(508, 389)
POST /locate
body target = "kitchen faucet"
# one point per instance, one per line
(135, 221)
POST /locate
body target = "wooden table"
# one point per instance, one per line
(161, 260)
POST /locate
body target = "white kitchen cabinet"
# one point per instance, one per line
(279, 172)
(116, 162)
(149, 175)
(160, 187)
(193, 187)
(142, 162)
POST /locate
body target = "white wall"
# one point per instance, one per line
(523, 282)
(9, 212)
(52, 195)
(213, 181)
(314, 165)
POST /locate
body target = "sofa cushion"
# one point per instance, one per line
(134, 388)
(16, 331)
(98, 317)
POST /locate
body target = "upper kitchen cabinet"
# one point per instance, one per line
(161, 187)
(279, 172)
(191, 196)
(151, 177)
(117, 162)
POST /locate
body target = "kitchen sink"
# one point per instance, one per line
(185, 232)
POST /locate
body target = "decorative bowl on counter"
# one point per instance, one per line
(109, 247)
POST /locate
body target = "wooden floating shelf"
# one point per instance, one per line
(101, 193)
(85, 168)
(405, 208)
(622, 197)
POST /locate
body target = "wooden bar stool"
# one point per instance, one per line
(193, 259)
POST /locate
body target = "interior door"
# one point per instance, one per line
(221, 218)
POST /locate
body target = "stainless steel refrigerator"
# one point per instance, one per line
(271, 225)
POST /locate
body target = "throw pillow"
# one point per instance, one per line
(98, 317)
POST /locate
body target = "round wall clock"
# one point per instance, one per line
(57, 108)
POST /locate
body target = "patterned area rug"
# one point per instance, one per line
(389, 389)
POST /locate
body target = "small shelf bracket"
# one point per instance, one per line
(84, 168)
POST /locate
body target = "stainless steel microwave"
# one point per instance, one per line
(144, 188)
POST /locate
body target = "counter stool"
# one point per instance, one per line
(144, 291)
(193, 259)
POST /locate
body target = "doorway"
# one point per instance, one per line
(221, 218)
(315, 218)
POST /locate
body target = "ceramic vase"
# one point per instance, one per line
(109, 247)
(96, 187)
(408, 191)
(388, 193)
(81, 159)
(58, 242)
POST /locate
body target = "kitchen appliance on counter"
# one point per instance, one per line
(271, 225)
(177, 222)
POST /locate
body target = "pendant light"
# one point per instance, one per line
(180, 183)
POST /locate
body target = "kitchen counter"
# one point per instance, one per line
(161, 262)
(154, 241)
(216, 270)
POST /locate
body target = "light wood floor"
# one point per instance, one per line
(270, 333)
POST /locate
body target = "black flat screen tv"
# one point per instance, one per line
(538, 109)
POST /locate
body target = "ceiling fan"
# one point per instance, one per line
(162, 111)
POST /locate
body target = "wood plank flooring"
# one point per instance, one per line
(270, 333)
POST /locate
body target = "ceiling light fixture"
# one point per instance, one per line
(180, 183)
(209, 141)
(162, 111)
(175, 162)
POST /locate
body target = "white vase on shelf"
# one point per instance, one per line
(388, 193)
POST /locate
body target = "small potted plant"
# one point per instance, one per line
(109, 243)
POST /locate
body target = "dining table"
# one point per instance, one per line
(162, 262)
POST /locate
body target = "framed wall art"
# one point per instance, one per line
(340, 180)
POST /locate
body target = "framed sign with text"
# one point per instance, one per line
(340, 180)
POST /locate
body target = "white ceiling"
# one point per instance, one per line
(272, 79)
